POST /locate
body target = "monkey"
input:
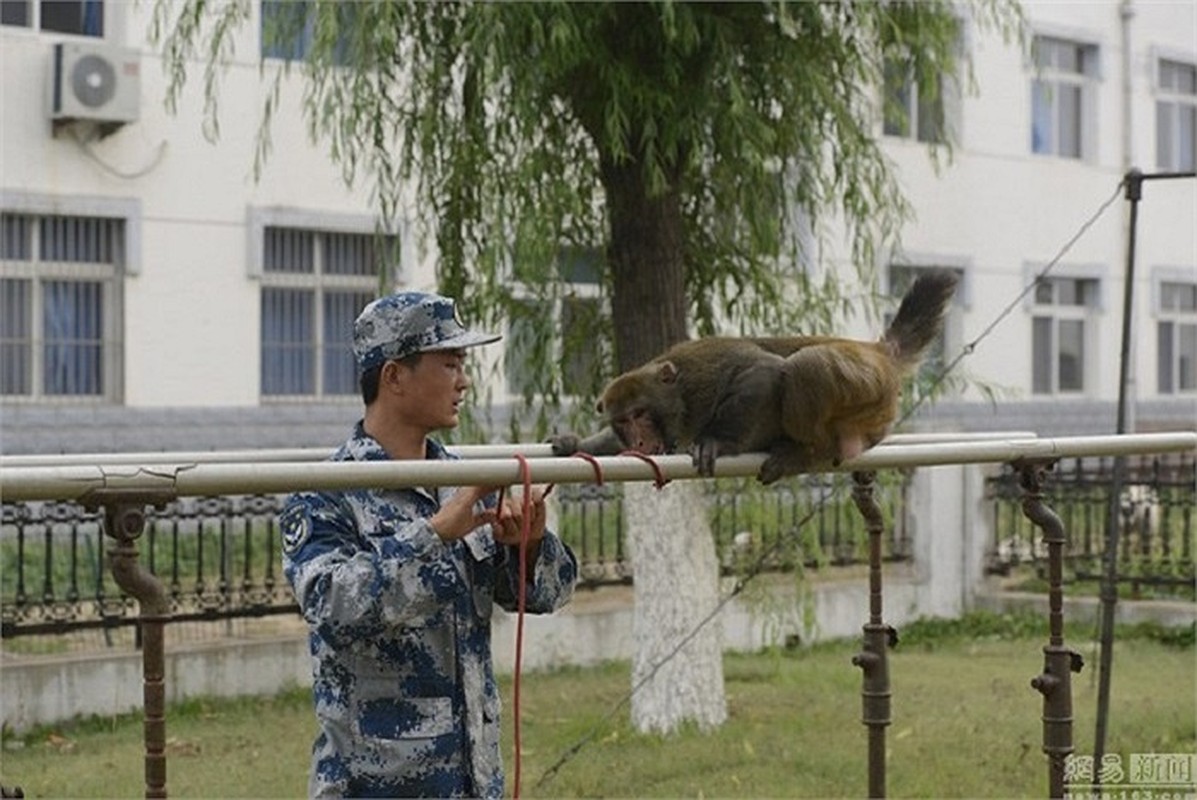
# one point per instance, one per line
(807, 401)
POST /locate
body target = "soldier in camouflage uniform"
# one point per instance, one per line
(398, 586)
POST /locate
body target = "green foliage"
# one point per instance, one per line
(749, 125)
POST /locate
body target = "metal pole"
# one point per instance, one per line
(18, 484)
(1109, 584)
(124, 521)
(1055, 682)
(873, 660)
(181, 458)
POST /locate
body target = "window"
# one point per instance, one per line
(81, 17)
(289, 27)
(314, 284)
(1061, 97)
(912, 110)
(1061, 308)
(574, 318)
(1176, 117)
(1176, 336)
(945, 347)
(59, 306)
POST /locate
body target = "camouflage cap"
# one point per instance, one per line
(404, 323)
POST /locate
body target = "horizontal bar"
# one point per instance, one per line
(72, 483)
(304, 454)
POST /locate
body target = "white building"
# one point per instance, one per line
(155, 295)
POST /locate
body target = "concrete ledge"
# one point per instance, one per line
(596, 627)
(1169, 613)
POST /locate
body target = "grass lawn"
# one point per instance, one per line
(965, 724)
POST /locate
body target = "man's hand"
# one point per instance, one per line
(508, 528)
(458, 516)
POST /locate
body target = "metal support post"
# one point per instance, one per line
(1055, 682)
(124, 521)
(873, 660)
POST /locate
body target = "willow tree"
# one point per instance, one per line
(700, 145)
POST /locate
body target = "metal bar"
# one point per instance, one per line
(1055, 682)
(47, 483)
(873, 660)
(530, 450)
(124, 521)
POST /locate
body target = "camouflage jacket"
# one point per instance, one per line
(399, 622)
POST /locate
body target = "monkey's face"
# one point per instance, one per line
(642, 406)
(639, 430)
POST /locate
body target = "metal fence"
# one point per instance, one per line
(1157, 538)
(219, 557)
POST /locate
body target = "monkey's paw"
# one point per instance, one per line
(565, 444)
(703, 453)
(783, 462)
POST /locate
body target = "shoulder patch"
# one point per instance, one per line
(296, 524)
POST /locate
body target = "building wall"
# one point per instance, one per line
(191, 301)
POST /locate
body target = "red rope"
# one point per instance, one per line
(598, 468)
(660, 480)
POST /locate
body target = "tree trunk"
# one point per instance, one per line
(675, 582)
(648, 290)
(675, 571)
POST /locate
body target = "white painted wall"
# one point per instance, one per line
(191, 312)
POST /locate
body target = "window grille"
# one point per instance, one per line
(314, 284)
(60, 295)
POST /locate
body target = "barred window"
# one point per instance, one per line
(314, 284)
(60, 296)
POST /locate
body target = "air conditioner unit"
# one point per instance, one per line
(95, 81)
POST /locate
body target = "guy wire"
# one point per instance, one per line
(758, 566)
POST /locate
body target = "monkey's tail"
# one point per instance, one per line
(920, 316)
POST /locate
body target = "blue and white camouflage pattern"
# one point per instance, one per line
(399, 621)
(400, 324)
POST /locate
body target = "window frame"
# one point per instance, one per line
(952, 338)
(35, 20)
(1175, 318)
(318, 282)
(1087, 314)
(109, 276)
(584, 291)
(1171, 97)
(1085, 79)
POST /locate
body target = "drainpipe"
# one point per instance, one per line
(1126, 14)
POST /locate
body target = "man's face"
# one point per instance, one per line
(435, 389)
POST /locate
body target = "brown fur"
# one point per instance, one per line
(806, 400)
